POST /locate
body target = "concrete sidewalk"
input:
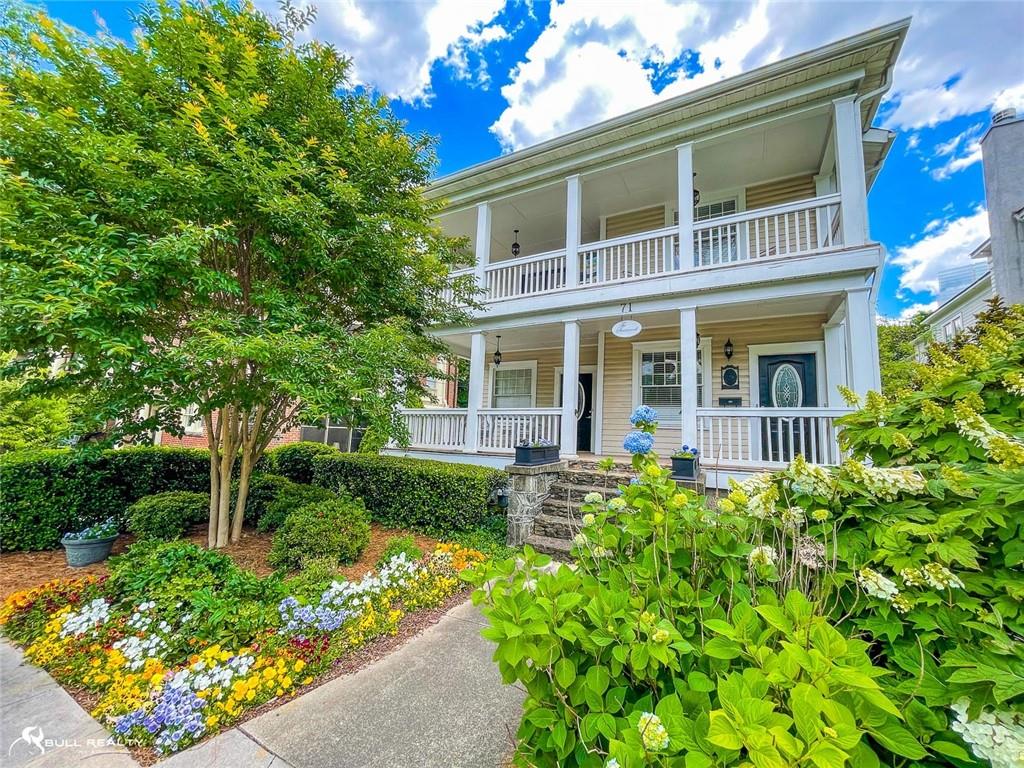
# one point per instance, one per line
(436, 701)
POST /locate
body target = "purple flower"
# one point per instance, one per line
(638, 442)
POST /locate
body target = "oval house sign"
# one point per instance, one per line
(626, 328)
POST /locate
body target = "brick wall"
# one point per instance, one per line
(199, 440)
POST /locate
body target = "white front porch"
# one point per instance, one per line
(714, 392)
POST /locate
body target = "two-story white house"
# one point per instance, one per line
(708, 255)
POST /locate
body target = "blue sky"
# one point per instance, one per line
(490, 76)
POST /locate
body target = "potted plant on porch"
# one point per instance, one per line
(529, 453)
(686, 463)
(90, 545)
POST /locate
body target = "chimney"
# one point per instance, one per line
(1003, 161)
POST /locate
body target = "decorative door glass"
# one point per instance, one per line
(787, 391)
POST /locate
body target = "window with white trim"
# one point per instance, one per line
(953, 327)
(191, 421)
(513, 387)
(659, 377)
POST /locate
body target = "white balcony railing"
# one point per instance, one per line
(645, 254)
(501, 430)
(526, 276)
(436, 428)
(792, 229)
(760, 436)
(448, 293)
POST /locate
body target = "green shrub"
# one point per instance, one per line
(398, 545)
(288, 500)
(264, 488)
(313, 579)
(167, 515)
(295, 460)
(435, 497)
(338, 529)
(489, 537)
(44, 494)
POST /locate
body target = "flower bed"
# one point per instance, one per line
(179, 643)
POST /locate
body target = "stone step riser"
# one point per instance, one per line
(557, 548)
(576, 493)
(554, 527)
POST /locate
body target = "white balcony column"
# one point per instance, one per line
(684, 161)
(573, 231)
(850, 167)
(477, 352)
(483, 244)
(835, 360)
(688, 373)
(570, 386)
(859, 346)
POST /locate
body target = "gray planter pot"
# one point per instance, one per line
(87, 551)
(685, 469)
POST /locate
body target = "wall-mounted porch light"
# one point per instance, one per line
(696, 194)
(728, 349)
(497, 351)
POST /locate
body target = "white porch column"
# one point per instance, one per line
(573, 231)
(688, 373)
(859, 333)
(850, 167)
(477, 351)
(570, 386)
(483, 244)
(684, 161)
(835, 361)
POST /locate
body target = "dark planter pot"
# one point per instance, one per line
(529, 456)
(685, 469)
(82, 552)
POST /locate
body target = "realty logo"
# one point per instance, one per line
(32, 736)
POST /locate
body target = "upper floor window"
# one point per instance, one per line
(714, 210)
(191, 421)
(952, 328)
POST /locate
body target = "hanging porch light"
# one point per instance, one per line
(515, 244)
(497, 351)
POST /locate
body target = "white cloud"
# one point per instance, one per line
(394, 45)
(962, 151)
(908, 313)
(597, 60)
(946, 246)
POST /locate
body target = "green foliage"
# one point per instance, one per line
(167, 515)
(435, 497)
(289, 499)
(47, 493)
(29, 420)
(489, 537)
(896, 352)
(295, 460)
(673, 643)
(398, 545)
(338, 529)
(264, 489)
(313, 579)
(224, 603)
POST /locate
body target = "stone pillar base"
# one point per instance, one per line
(528, 487)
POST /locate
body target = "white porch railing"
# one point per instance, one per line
(448, 294)
(526, 276)
(792, 229)
(760, 436)
(644, 254)
(438, 428)
(501, 430)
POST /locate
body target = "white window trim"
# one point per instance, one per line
(583, 369)
(192, 426)
(513, 365)
(786, 348)
(671, 345)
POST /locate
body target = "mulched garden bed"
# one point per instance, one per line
(23, 570)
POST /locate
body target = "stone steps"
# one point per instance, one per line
(557, 548)
(555, 526)
(563, 491)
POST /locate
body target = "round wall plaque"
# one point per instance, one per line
(624, 329)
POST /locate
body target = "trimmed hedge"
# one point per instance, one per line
(264, 488)
(167, 515)
(288, 500)
(295, 460)
(338, 529)
(435, 497)
(46, 493)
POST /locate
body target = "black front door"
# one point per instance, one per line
(788, 381)
(584, 411)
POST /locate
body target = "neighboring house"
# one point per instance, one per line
(1001, 257)
(194, 434)
(728, 227)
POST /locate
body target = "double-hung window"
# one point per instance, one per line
(513, 385)
(658, 377)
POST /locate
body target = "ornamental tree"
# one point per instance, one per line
(209, 217)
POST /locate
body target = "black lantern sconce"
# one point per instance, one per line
(698, 340)
(696, 194)
(497, 351)
(728, 349)
(515, 246)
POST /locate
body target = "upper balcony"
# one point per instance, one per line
(695, 193)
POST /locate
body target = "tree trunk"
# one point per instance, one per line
(228, 451)
(244, 473)
(256, 434)
(213, 442)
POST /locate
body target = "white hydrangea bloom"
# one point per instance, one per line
(886, 482)
(762, 555)
(875, 584)
(593, 498)
(617, 503)
(653, 733)
(588, 519)
(995, 736)
(939, 576)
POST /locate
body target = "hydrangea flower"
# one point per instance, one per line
(875, 584)
(580, 540)
(643, 415)
(593, 498)
(653, 733)
(762, 555)
(588, 519)
(617, 503)
(995, 736)
(638, 443)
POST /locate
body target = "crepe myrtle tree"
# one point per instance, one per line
(209, 216)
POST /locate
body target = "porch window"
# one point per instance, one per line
(659, 377)
(513, 386)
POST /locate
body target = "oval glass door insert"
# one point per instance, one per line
(787, 389)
